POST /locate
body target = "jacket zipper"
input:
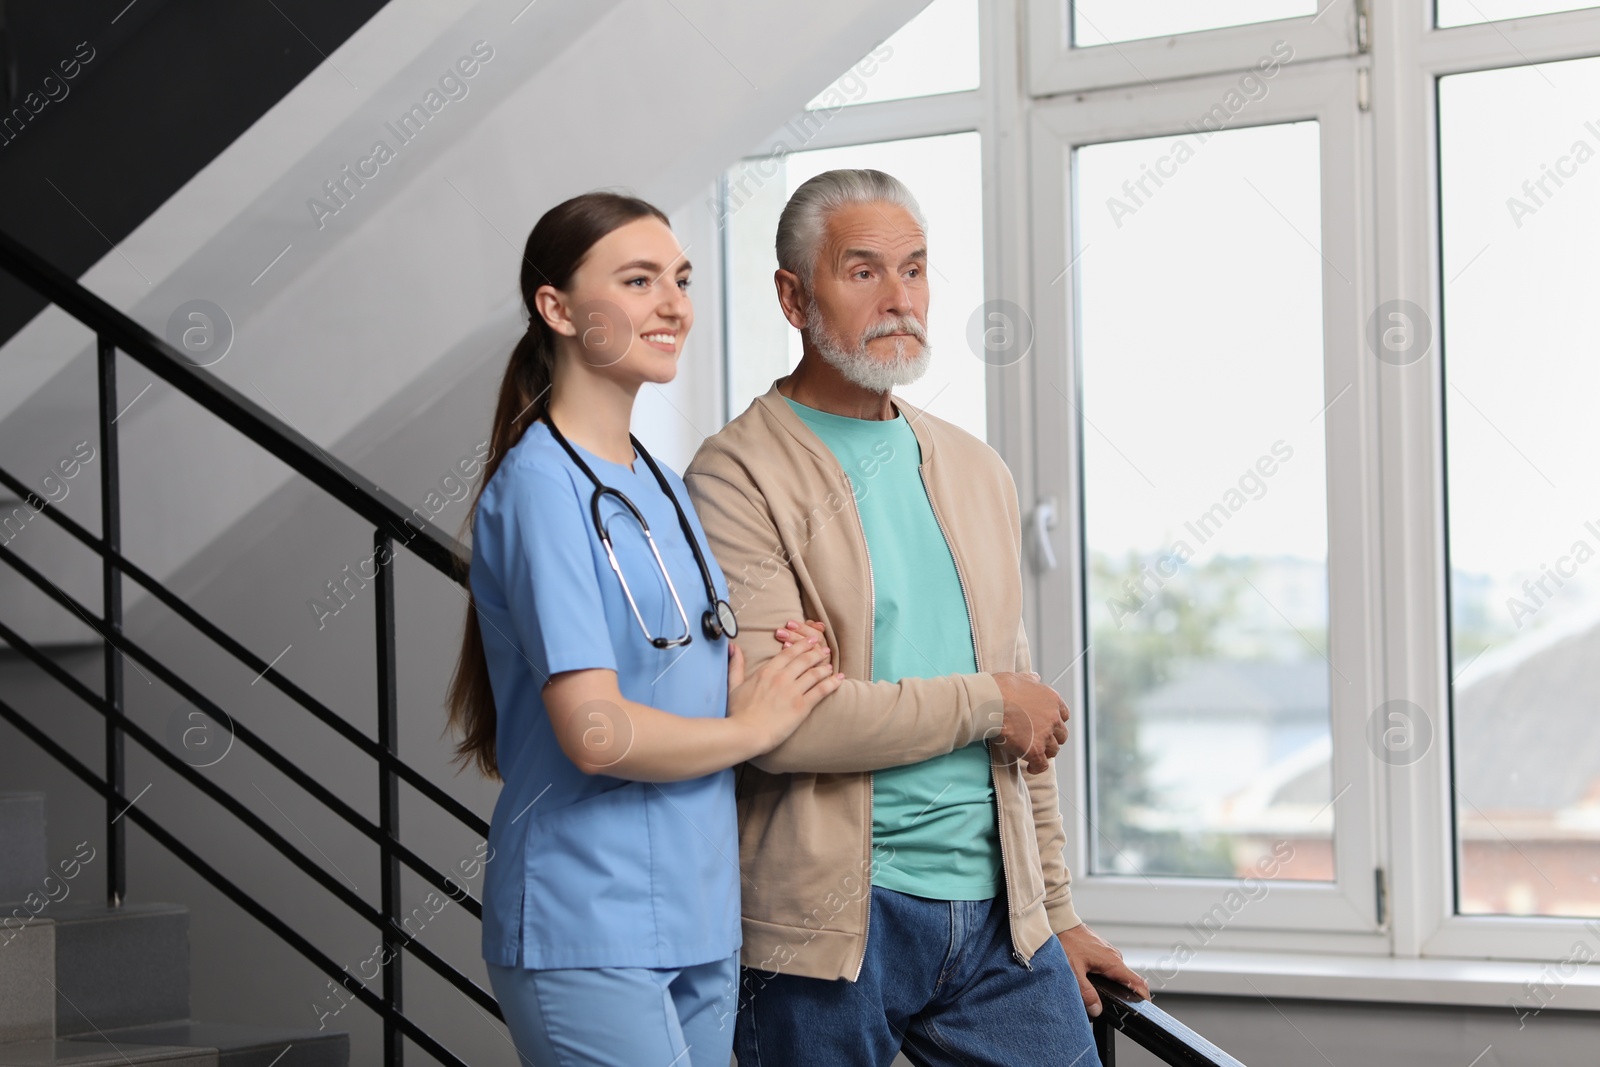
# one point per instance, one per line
(1005, 870)
(977, 658)
(872, 614)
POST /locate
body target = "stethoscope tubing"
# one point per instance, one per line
(719, 620)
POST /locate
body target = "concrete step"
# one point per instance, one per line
(70, 983)
(244, 1044)
(97, 1053)
(27, 967)
(119, 967)
(22, 847)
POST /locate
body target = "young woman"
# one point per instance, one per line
(597, 678)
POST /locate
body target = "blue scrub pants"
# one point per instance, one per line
(620, 1016)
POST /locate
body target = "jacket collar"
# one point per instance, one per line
(777, 408)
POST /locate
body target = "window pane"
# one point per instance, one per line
(1520, 206)
(1470, 12)
(1204, 503)
(1106, 21)
(945, 175)
(936, 52)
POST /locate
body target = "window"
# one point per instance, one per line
(1442, 346)
(944, 174)
(1520, 219)
(1205, 521)
(921, 84)
(1467, 12)
(1096, 22)
(1078, 45)
(1199, 398)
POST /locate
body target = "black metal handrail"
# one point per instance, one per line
(1168, 1039)
(302, 455)
(392, 523)
(327, 716)
(391, 1014)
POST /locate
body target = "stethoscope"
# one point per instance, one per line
(718, 620)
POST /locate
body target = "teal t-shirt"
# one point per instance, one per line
(933, 823)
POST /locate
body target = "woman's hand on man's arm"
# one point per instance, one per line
(604, 733)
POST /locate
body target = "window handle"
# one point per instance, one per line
(1044, 520)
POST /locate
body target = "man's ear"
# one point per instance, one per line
(791, 297)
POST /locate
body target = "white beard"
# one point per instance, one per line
(860, 367)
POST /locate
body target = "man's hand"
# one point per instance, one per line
(1088, 952)
(1035, 723)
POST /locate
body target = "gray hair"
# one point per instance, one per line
(805, 217)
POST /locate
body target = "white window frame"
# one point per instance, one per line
(1420, 812)
(1410, 833)
(1057, 66)
(1141, 908)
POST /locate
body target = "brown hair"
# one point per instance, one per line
(560, 241)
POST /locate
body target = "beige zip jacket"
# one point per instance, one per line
(780, 515)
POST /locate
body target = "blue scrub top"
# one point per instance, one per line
(594, 870)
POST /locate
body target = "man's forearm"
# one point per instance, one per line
(867, 726)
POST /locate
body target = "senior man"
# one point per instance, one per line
(904, 884)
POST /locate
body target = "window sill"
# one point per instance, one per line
(1468, 983)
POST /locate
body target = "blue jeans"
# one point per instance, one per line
(938, 983)
(619, 1016)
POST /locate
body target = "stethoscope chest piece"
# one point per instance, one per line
(720, 621)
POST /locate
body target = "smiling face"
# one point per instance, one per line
(867, 310)
(626, 311)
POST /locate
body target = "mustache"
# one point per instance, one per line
(901, 324)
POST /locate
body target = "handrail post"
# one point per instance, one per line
(388, 792)
(1105, 1037)
(111, 588)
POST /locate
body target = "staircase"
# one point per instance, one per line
(85, 984)
(154, 960)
